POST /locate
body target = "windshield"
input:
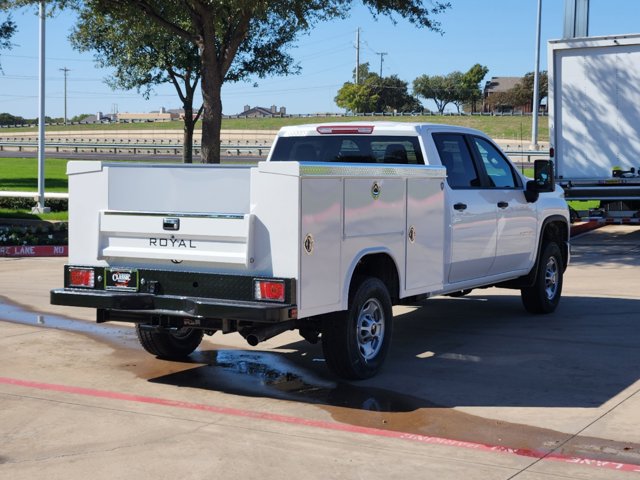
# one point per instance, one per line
(349, 149)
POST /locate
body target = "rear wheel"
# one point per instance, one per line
(355, 342)
(172, 344)
(544, 295)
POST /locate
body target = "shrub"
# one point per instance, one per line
(55, 204)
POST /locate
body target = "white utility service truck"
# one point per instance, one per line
(340, 223)
(594, 122)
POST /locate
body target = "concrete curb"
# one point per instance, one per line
(584, 227)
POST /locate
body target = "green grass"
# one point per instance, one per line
(21, 174)
(506, 127)
(27, 215)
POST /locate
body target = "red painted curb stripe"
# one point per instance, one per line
(34, 251)
(625, 467)
(585, 227)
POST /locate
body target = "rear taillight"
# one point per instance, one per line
(345, 129)
(81, 277)
(269, 290)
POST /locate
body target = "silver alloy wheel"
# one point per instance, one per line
(551, 278)
(370, 329)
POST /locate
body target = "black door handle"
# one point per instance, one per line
(503, 204)
(460, 206)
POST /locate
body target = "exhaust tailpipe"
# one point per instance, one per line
(254, 336)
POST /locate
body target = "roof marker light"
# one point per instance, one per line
(346, 129)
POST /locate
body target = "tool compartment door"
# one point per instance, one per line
(320, 242)
(425, 235)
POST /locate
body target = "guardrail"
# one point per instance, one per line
(134, 148)
(155, 148)
(527, 153)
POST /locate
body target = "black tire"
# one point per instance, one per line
(355, 342)
(544, 295)
(172, 344)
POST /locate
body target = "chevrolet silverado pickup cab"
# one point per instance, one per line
(340, 223)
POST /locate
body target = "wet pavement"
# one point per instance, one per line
(474, 369)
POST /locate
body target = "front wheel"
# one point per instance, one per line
(355, 342)
(544, 295)
(172, 344)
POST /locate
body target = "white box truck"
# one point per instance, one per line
(340, 223)
(594, 122)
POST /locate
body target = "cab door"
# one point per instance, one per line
(516, 218)
(472, 217)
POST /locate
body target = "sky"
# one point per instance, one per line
(500, 34)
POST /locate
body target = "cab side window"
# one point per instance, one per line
(498, 170)
(455, 156)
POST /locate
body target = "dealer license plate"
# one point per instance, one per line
(121, 279)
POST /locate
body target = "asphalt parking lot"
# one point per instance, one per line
(474, 388)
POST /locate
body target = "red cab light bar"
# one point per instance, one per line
(346, 129)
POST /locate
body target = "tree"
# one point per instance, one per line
(376, 94)
(357, 97)
(459, 93)
(7, 29)
(394, 96)
(80, 118)
(525, 87)
(471, 84)
(8, 119)
(438, 88)
(501, 101)
(143, 56)
(456, 87)
(240, 38)
(521, 94)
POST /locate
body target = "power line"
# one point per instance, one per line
(33, 57)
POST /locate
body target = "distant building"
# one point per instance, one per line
(160, 116)
(498, 85)
(261, 112)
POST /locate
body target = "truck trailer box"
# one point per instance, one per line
(594, 106)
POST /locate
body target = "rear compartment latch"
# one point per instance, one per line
(171, 224)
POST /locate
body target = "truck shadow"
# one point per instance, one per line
(481, 350)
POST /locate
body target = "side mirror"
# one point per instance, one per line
(543, 175)
(543, 180)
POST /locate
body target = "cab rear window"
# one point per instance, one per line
(401, 150)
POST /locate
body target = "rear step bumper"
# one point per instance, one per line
(147, 304)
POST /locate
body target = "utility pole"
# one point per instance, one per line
(382, 54)
(65, 70)
(536, 84)
(40, 208)
(358, 56)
